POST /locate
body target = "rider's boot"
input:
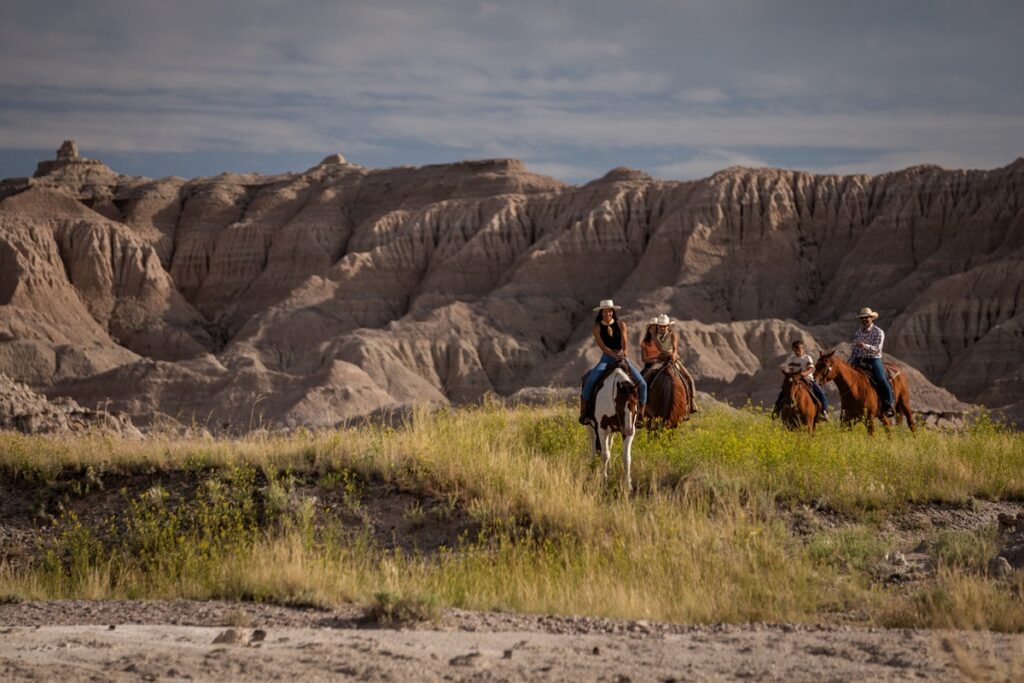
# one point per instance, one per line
(691, 391)
(584, 411)
(640, 415)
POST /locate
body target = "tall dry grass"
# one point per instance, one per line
(704, 540)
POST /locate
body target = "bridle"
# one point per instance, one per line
(829, 375)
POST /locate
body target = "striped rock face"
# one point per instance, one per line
(309, 298)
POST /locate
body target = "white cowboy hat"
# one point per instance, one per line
(607, 303)
(664, 320)
(866, 312)
(652, 321)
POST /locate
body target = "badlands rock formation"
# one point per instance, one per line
(26, 411)
(313, 297)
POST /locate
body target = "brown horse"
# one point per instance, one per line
(799, 409)
(667, 399)
(860, 400)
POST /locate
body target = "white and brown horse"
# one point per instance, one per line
(616, 404)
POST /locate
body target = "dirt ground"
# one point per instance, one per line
(182, 641)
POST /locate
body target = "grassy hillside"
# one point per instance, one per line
(733, 519)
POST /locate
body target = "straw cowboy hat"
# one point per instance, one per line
(607, 303)
(866, 312)
(664, 320)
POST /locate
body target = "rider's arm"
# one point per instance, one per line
(600, 344)
(878, 336)
(625, 339)
(875, 335)
(675, 344)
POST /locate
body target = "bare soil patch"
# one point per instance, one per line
(180, 640)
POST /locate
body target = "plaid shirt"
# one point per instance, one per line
(873, 337)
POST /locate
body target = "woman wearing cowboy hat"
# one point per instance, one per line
(867, 354)
(661, 343)
(613, 340)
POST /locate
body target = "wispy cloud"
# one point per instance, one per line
(706, 163)
(578, 86)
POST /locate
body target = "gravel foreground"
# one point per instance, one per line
(180, 641)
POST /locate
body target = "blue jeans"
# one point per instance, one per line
(877, 371)
(819, 393)
(595, 374)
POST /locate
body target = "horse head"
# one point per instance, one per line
(825, 368)
(790, 385)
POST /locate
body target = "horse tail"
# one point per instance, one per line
(903, 404)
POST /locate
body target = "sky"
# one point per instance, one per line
(573, 88)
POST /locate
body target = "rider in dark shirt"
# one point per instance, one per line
(612, 338)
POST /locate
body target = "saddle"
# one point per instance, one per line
(891, 372)
(658, 367)
(600, 384)
(814, 397)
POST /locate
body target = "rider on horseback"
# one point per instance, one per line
(613, 340)
(800, 361)
(867, 354)
(660, 345)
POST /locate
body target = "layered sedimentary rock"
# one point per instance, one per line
(26, 411)
(318, 296)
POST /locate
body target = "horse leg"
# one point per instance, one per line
(606, 450)
(903, 404)
(627, 460)
(885, 424)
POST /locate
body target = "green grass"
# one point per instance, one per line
(705, 539)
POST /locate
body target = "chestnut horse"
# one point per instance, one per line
(860, 400)
(668, 403)
(799, 408)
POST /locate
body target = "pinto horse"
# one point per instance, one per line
(667, 401)
(860, 400)
(799, 409)
(616, 403)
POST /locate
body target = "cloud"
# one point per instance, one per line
(576, 85)
(158, 132)
(703, 95)
(706, 163)
(567, 172)
(895, 161)
(614, 129)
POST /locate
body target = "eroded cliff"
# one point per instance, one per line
(318, 296)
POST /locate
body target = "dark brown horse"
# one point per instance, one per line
(860, 400)
(799, 409)
(667, 399)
